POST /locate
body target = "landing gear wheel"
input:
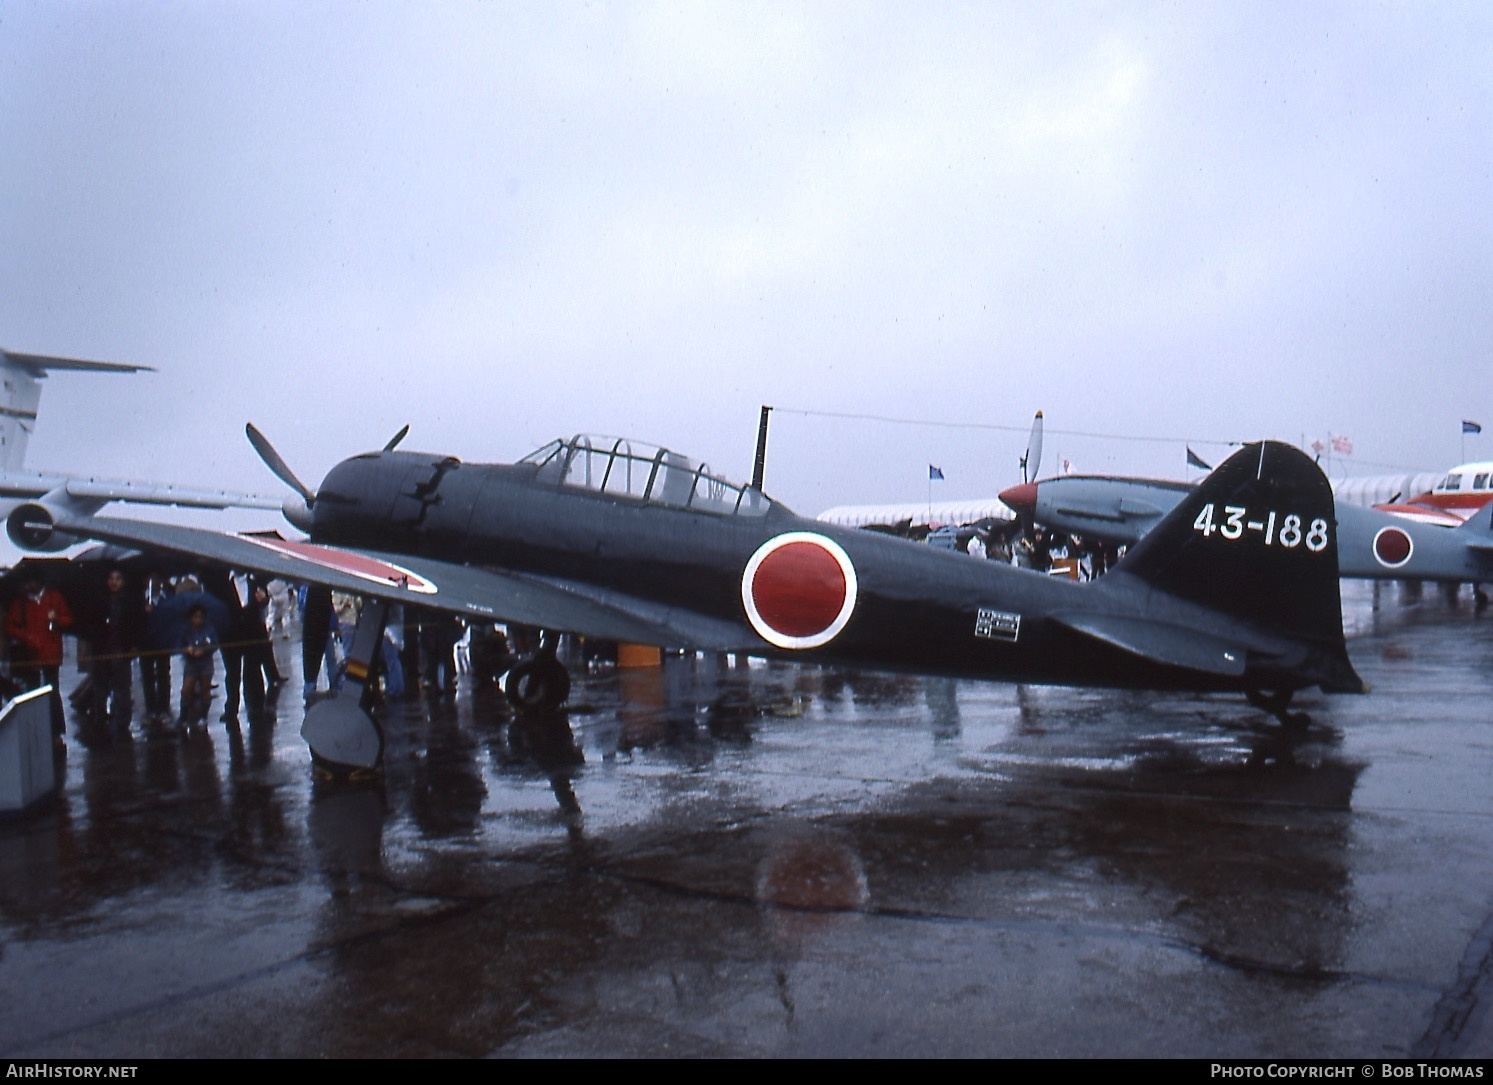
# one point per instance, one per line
(345, 740)
(537, 685)
(1277, 704)
(327, 772)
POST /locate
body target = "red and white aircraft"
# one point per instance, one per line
(1453, 500)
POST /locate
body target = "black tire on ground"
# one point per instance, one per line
(537, 684)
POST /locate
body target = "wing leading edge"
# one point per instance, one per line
(416, 581)
(144, 493)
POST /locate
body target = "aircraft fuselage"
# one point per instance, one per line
(1372, 544)
(809, 591)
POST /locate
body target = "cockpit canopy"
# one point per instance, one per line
(645, 472)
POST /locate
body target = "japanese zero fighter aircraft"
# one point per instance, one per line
(1372, 544)
(1235, 590)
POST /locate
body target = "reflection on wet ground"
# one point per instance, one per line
(708, 859)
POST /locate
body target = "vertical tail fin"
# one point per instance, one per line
(1257, 542)
(20, 397)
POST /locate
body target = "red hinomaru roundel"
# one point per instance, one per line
(799, 590)
(1393, 547)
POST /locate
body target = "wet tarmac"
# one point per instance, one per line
(750, 861)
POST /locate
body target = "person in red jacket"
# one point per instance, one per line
(36, 623)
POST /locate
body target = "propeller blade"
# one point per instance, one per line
(394, 441)
(1031, 463)
(280, 468)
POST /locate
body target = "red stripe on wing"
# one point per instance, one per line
(345, 561)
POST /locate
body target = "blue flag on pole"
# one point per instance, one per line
(1471, 427)
(935, 473)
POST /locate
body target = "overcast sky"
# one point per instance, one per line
(505, 222)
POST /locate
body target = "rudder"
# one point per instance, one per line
(1256, 541)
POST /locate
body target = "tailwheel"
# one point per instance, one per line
(538, 684)
(1277, 704)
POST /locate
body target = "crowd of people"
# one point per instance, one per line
(1040, 550)
(215, 630)
(121, 625)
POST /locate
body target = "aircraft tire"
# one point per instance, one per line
(1274, 702)
(1277, 703)
(537, 685)
(1296, 722)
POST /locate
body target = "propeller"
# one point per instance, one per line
(273, 461)
(298, 513)
(1023, 499)
(1031, 462)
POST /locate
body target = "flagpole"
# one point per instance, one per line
(1468, 426)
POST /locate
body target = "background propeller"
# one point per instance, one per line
(1022, 499)
(1031, 461)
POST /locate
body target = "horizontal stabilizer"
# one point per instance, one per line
(1159, 642)
(39, 365)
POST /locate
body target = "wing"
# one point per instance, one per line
(1421, 514)
(24, 485)
(144, 493)
(470, 591)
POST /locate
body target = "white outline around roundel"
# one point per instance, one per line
(829, 632)
(1409, 541)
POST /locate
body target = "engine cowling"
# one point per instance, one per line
(33, 526)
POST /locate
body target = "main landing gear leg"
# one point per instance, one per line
(541, 682)
(343, 736)
(1277, 704)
